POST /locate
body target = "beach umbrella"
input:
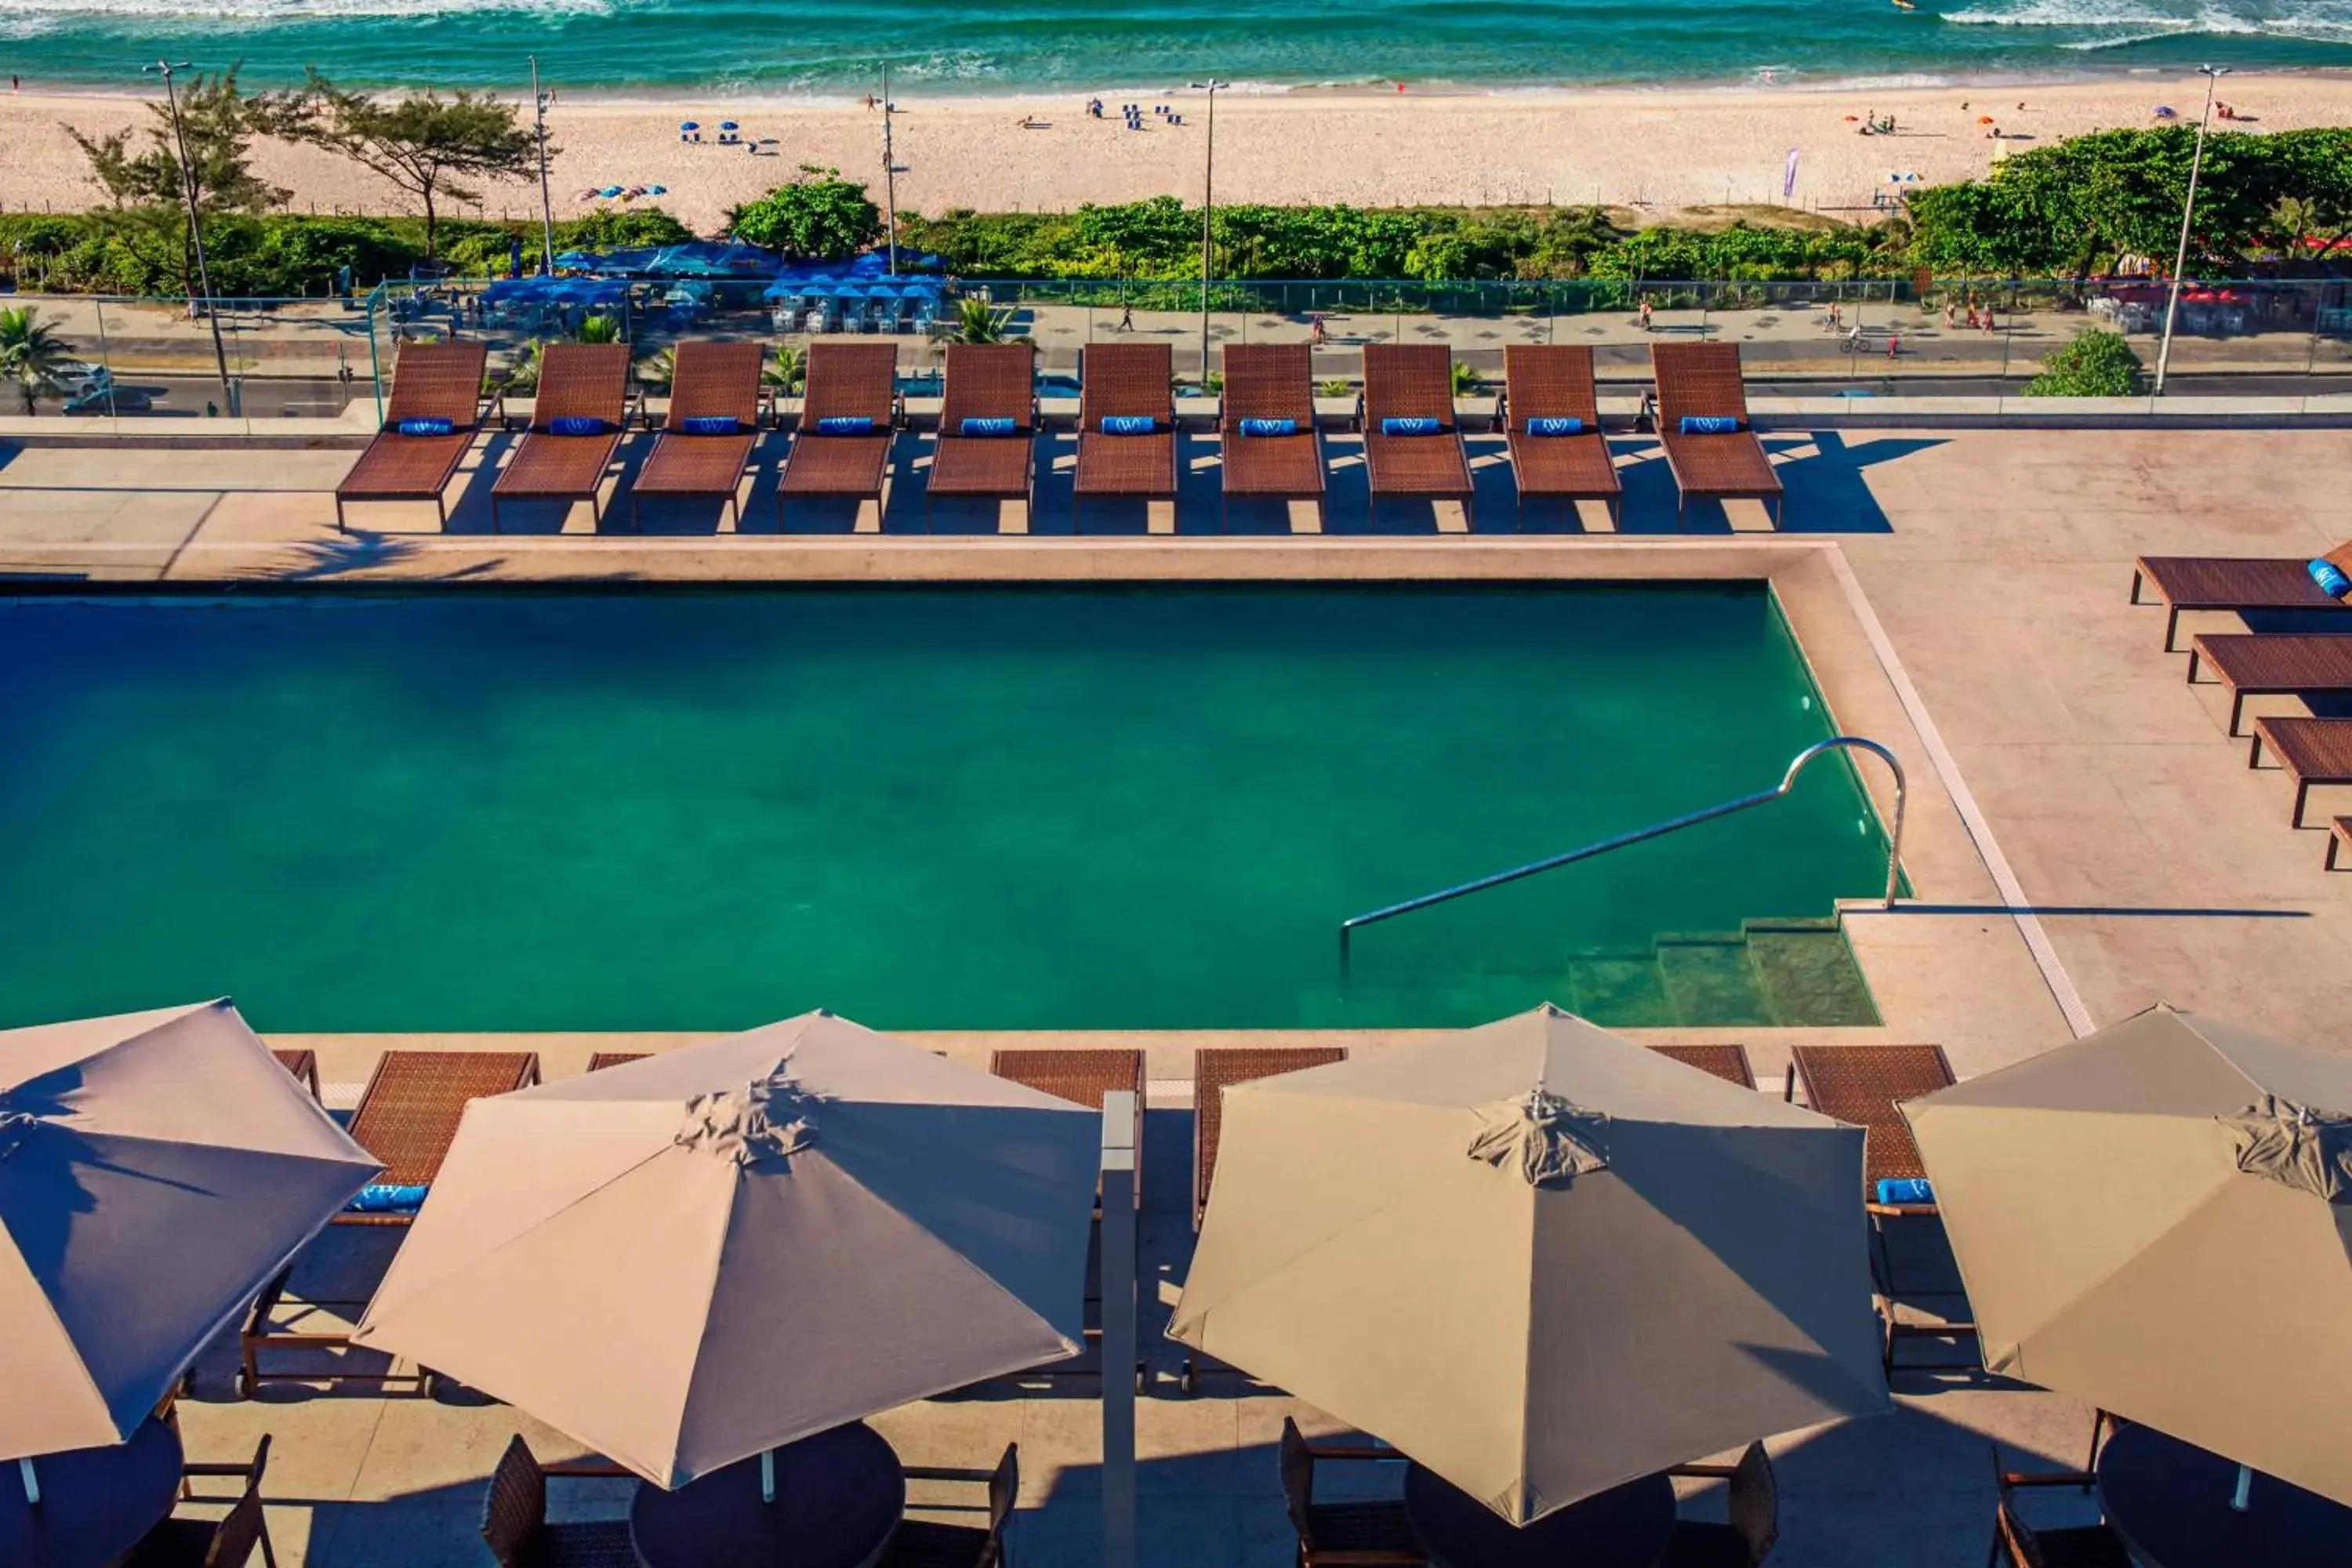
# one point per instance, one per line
(156, 1169)
(1538, 1259)
(717, 1250)
(610, 191)
(688, 125)
(2157, 1220)
(728, 126)
(657, 190)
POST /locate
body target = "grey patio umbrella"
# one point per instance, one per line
(1537, 1258)
(2157, 1220)
(155, 1169)
(714, 1251)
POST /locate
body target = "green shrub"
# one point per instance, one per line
(818, 218)
(2097, 364)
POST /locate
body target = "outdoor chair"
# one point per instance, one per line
(2016, 1544)
(1409, 387)
(988, 421)
(849, 385)
(1127, 424)
(304, 1065)
(516, 1528)
(1359, 1534)
(2234, 584)
(1266, 386)
(576, 419)
(1753, 1526)
(1702, 381)
(2314, 752)
(707, 436)
(1729, 1062)
(2271, 664)
(1547, 387)
(604, 1060)
(225, 1543)
(430, 382)
(925, 1543)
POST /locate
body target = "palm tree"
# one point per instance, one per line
(31, 354)
(978, 322)
(791, 367)
(598, 330)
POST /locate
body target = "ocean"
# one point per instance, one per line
(834, 48)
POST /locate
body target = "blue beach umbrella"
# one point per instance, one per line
(657, 190)
(728, 126)
(688, 125)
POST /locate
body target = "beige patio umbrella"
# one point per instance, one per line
(714, 1251)
(155, 1169)
(2153, 1219)
(1538, 1259)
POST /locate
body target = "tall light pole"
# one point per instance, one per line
(195, 225)
(1208, 207)
(546, 200)
(2212, 75)
(889, 173)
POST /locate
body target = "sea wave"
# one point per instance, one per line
(2312, 21)
(45, 14)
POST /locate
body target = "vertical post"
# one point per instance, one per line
(195, 225)
(1208, 208)
(1118, 1178)
(890, 173)
(2212, 75)
(766, 1475)
(32, 1482)
(546, 198)
(2243, 1496)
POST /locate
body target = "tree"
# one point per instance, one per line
(2095, 364)
(820, 216)
(32, 356)
(978, 322)
(423, 143)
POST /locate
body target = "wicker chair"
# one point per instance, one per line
(576, 381)
(304, 1065)
(1360, 1534)
(1414, 381)
(429, 380)
(1125, 381)
(515, 1524)
(1555, 381)
(1755, 1524)
(224, 1542)
(1727, 1062)
(2070, 1546)
(924, 1543)
(1702, 381)
(708, 381)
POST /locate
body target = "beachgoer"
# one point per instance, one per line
(1318, 333)
(1964, 105)
(15, 82)
(871, 102)
(1094, 108)
(1973, 315)
(1988, 316)
(1126, 316)
(1894, 345)
(1645, 312)
(1951, 316)
(1837, 314)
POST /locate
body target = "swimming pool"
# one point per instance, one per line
(976, 808)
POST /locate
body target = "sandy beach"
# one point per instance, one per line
(1661, 152)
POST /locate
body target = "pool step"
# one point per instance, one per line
(1777, 973)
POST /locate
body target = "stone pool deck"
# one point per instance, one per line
(2083, 841)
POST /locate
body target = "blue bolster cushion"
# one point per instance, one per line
(1002, 425)
(1269, 426)
(1420, 425)
(1129, 424)
(1556, 424)
(426, 427)
(2331, 578)
(579, 424)
(710, 425)
(1709, 423)
(1906, 1190)
(387, 1197)
(846, 425)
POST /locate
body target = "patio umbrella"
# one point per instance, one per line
(1537, 1258)
(2155, 1220)
(688, 1259)
(155, 1169)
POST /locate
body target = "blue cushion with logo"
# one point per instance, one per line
(846, 425)
(426, 427)
(711, 425)
(1002, 424)
(2331, 578)
(1129, 424)
(1420, 425)
(1555, 425)
(1269, 426)
(1709, 423)
(388, 1197)
(1906, 1190)
(579, 424)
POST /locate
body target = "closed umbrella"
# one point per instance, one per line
(1538, 1259)
(2154, 1219)
(688, 1259)
(155, 1169)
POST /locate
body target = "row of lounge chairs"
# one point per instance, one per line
(1270, 442)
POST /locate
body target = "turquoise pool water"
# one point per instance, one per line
(975, 808)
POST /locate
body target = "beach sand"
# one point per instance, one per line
(1661, 153)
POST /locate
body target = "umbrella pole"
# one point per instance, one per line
(32, 1482)
(2238, 1498)
(766, 1475)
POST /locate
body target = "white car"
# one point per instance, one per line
(80, 378)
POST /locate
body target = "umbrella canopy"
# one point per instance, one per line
(1539, 1260)
(155, 1169)
(2154, 1219)
(717, 1250)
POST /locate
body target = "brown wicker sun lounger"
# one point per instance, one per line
(986, 381)
(1214, 1068)
(2185, 583)
(604, 1060)
(429, 380)
(2282, 664)
(2311, 751)
(1554, 381)
(1125, 382)
(847, 383)
(304, 1065)
(714, 381)
(1728, 1063)
(1701, 381)
(576, 381)
(1270, 381)
(1413, 381)
(1081, 1076)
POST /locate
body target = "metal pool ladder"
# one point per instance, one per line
(1797, 766)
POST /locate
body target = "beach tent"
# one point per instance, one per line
(1537, 1258)
(688, 1259)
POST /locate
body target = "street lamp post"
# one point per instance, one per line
(890, 173)
(1208, 207)
(546, 198)
(2212, 75)
(195, 226)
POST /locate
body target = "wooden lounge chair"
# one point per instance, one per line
(429, 380)
(707, 381)
(304, 1065)
(1081, 1076)
(604, 1060)
(1554, 381)
(1270, 381)
(1701, 381)
(576, 381)
(846, 381)
(1413, 381)
(1728, 1063)
(2235, 583)
(930, 1543)
(228, 1541)
(1125, 382)
(2016, 1544)
(986, 381)
(2271, 664)
(2311, 751)
(1753, 1524)
(1359, 1532)
(2339, 832)
(518, 1533)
